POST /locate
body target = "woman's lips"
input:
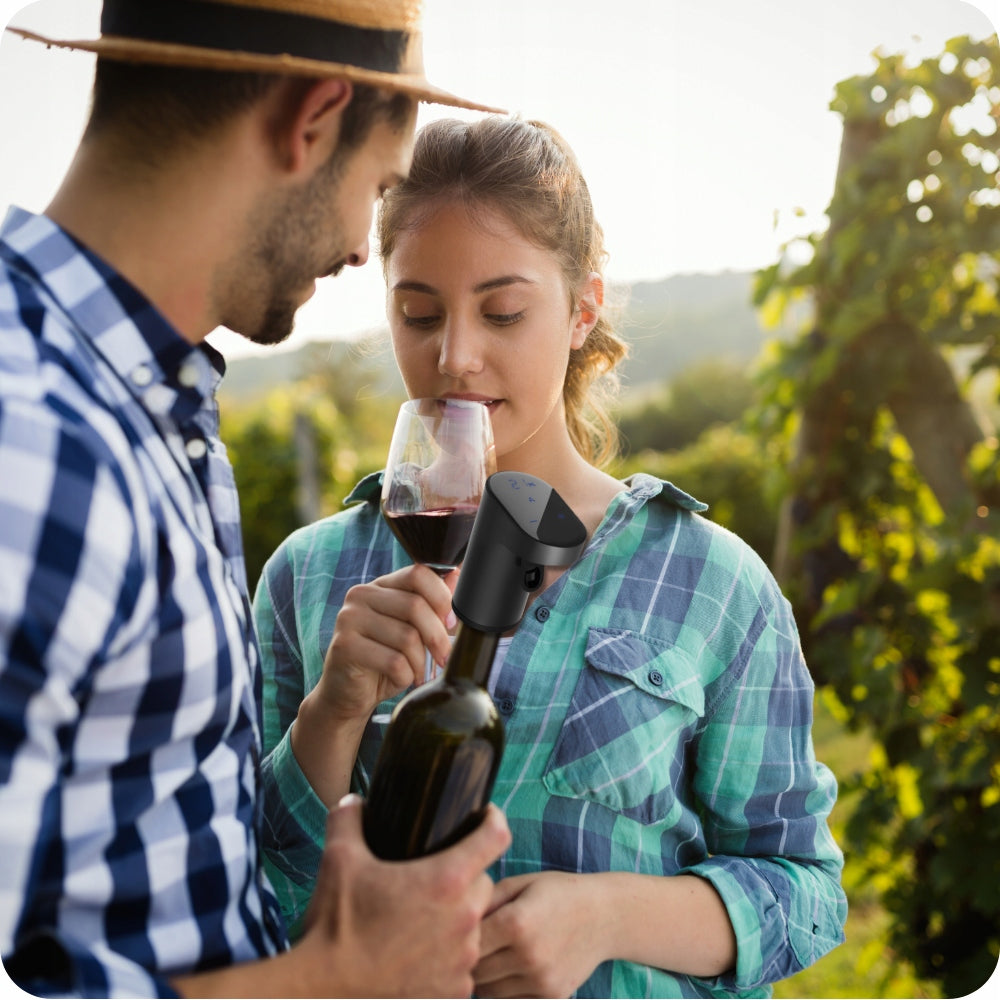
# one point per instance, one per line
(488, 401)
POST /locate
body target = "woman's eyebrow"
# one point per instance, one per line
(507, 279)
(484, 286)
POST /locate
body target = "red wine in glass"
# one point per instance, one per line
(439, 460)
(438, 538)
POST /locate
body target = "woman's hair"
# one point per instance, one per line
(526, 171)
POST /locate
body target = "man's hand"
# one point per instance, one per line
(405, 928)
(378, 928)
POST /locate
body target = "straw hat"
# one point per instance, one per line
(376, 42)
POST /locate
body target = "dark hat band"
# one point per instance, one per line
(253, 29)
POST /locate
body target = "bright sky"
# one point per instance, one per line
(701, 125)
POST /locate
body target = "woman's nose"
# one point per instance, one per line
(461, 350)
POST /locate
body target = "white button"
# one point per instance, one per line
(188, 375)
(142, 376)
(196, 448)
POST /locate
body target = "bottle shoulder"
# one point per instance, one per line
(448, 705)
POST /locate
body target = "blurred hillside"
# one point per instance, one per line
(670, 324)
(674, 323)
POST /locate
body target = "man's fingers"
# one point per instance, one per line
(343, 822)
(507, 889)
(479, 849)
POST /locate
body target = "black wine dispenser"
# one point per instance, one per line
(441, 752)
(522, 526)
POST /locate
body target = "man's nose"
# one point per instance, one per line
(359, 256)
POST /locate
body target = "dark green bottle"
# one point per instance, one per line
(435, 770)
(442, 749)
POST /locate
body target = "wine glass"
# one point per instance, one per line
(439, 460)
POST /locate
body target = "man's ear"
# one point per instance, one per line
(588, 310)
(309, 119)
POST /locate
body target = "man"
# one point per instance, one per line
(233, 156)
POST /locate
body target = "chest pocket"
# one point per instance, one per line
(622, 744)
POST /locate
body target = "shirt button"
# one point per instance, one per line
(196, 448)
(655, 677)
(188, 375)
(506, 706)
(142, 376)
(542, 614)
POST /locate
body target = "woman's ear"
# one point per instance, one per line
(588, 310)
(308, 120)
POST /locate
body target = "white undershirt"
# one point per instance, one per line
(432, 670)
(498, 658)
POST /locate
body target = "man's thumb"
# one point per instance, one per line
(344, 819)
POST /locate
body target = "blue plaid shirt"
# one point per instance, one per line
(658, 719)
(129, 680)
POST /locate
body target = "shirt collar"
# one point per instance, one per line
(641, 489)
(368, 490)
(644, 487)
(166, 373)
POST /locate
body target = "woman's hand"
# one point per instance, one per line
(380, 640)
(542, 937)
(378, 649)
(545, 933)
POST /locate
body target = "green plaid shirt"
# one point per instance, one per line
(658, 720)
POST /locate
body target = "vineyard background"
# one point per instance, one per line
(839, 410)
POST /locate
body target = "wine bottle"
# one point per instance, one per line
(437, 765)
(440, 757)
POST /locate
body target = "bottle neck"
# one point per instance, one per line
(472, 655)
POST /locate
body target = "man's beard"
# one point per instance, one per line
(277, 325)
(279, 318)
(287, 257)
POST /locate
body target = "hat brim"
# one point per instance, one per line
(168, 54)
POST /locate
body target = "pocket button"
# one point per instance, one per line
(655, 677)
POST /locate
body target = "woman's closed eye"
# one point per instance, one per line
(504, 319)
(424, 321)
(428, 320)
(503, 307)
(419, 311)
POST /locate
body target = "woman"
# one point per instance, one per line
(668, 815)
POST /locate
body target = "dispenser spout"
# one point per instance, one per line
(522, 526)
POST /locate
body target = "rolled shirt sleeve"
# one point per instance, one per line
(765, 802)
(294, 815)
